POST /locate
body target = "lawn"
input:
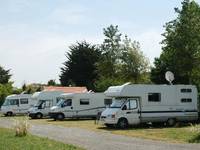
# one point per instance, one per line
(181, 134)
(8, 141)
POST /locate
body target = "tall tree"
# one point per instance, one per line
(121, 61)
(4, 75)
(181, 47)
(5, 85)
(51, 82)
(110, 50)
(80, 68)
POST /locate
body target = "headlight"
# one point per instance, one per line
(111, 116)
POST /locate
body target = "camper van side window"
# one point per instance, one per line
(14, 102)
(154, 97)
(186, 100)
(107, 102)
(24, 100)
(84, 102)
(186, 90)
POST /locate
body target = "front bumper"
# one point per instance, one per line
(53, 114)
(108, 120)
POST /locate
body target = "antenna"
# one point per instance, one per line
(169, 76)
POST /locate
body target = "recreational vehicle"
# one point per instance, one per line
(45, 100)
(78, 105)
(134, 104)
(17, 104)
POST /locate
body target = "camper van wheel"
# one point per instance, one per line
(60, 117)
(9, 114)
(171, 122)
(38, 115)
(122, 123)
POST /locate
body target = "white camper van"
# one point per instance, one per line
(78, 105)
(45, 100)
(134, 104)
(17, 104)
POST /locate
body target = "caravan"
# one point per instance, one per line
(79, 105)
(45, 100)
(17, 104)
(135, 104)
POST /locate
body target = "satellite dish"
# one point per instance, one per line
(169, 76)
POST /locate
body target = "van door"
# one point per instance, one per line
(67, 108)
(24, 105)
(14, 105)
(131, 110)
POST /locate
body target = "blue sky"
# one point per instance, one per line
(35, 34)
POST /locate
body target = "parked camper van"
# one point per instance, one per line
(134, 104)
(45, 100)
(78, 105)
(17, 104)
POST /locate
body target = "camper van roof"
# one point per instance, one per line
(19, 95)
(119, 90)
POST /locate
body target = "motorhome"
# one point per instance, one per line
(79, 105)
(17, 104)
(135, 104)
(45, 100)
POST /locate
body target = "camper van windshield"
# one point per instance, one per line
(60, 102)
(6, 103)
(118, 102)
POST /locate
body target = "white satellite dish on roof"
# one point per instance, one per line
(169, 76)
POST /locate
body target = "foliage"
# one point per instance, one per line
(51, 82)
(4, 75)
(9, 142)
(80, 69)
(5, 90)
(21, 126)
(121, 61)
(32, 88)
(181, 47)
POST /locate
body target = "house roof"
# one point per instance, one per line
(66, 89)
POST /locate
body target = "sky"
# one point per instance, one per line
(35, 34)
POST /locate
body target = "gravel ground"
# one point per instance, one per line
(91, 140)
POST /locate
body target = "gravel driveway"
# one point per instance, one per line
(99, 140)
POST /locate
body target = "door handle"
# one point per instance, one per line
(128, 112)
(71, 107)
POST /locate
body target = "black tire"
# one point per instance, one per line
(122, 123)
(38, 116)
(9, 113)
(60, 117)
(171, 122)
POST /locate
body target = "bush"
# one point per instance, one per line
(196, 138)
(5, 90)
(21, 126)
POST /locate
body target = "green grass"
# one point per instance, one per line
(181, 134)
(8, 141)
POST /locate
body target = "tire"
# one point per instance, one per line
(9, 113)
(60, 117)
(38, 116)
(171, 122)
(122, 123)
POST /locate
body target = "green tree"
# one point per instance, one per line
(121, 61)
(5, 85)
(51, 82)
(134, 65)
(80, 68)
(181, 47)
(4, 75)
(110, 50)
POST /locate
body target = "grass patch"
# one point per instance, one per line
(8, 141)
(181, 134)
